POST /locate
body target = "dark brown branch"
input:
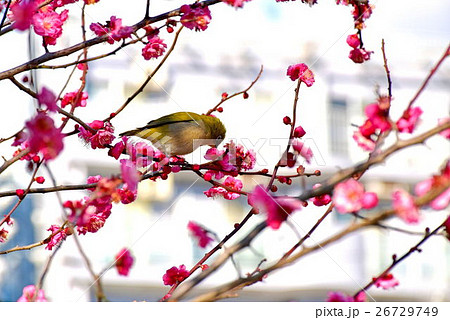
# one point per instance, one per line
(34, 63)
(241, 283)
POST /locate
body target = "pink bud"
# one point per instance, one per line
(20, 193)
(299, 132)
(353, 41)
(369, 200)
(40, 180)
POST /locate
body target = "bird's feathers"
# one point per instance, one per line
(181, 132)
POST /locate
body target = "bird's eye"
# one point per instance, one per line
(219, 137)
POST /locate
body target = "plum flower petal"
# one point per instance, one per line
(48, 98)
(29, 292)
(235, 3)
(350, 196)
(129, 174)
(23, 13)
(405, 207)
(124, 262)
(60, 235)
(200, 233)
(48, 24)
(175, 275)
(302, 72)
(154, 48)
(302, 150)
(113, 28)
(386, 282)
(409, 120)
(353, 41)
(101, 138)
(277, 209)
(195, 17)
(44, 136)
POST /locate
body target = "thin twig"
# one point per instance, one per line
(237, 93)
(150, 77)
(240, 283)
(397, 261)
(32, 64)
(430, 75)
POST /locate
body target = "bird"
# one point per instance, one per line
(180, 133)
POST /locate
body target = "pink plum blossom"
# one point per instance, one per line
(75, 99)
(195, 17)
(302, 72)
(101, 138)
(277, 209)
(48, 24)
(409, 120)
(200, 234)
(154, 48)
(22, 13)
(350, 196)
(235, 3)
(130, 175)
(353, 41)
(47, 97)
(59, 236)
(302, 150)
(113, 28)
(175, 275)
(321, 200)
(44, 136)
(387, 281)
(29, 292)
(405, 207)
(124, 262)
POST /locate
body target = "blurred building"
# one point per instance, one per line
(227, 58)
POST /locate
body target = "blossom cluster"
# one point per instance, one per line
(90, 213)
(358, 54)
(3, 232)
(378, 121)
(230, 161)
(362, 11)
(302, 72)
(41, 136)
(29, 295)
(113, 28)
(46, 21)
(155, 46)
(195, 16)
(102, 137)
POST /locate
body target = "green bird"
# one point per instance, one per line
(181, 133)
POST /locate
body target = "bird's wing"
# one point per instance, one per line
(169, 119)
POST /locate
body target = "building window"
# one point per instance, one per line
(337, 120)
